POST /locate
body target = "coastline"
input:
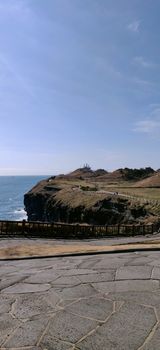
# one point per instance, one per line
(12, 190)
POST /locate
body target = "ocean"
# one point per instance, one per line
(12, 190)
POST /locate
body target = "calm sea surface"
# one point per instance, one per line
(12, 190)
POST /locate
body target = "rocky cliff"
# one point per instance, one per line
(79, 197)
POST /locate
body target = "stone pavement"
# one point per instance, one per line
(98, 302)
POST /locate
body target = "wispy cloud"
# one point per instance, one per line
(156, 112)
(140, 61)
(134, 26)
(154, 106)
(142, 82)
(151, 124)
(147, 126)
(18, 8)
(107, 68)
(143, 85)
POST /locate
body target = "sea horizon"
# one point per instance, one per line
(25, 175)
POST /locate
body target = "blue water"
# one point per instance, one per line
(12, 190)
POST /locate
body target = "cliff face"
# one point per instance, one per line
(43, 207)
(36, 200)
(80, 200)
(101, 213)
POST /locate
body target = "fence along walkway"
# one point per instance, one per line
(12, 229)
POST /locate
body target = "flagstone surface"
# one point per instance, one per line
(98, 302)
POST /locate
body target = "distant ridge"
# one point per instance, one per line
(87, 172)
(119, 175)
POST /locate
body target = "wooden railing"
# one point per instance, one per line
(12, 229)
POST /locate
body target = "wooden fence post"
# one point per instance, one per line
(144, 229)
(23, 226)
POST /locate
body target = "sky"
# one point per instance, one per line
(79, 83)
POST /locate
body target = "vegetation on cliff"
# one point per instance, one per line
(93, 197)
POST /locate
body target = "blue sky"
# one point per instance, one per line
(79, 83)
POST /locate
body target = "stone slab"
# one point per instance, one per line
(42, 277)
(98, 277)
(154, 342)
(76, 292)
(126, 285)
(137, 297)
(29, 305)
(95, 308)
(156, 273)
(66, 281)
(141, 260)
(75, 272)
(125, 330)
(20, 288)
(111, 263)
(6, 302)
(68, 327)
(28, 333)
(133, 272)
(7, 325)
(9, 281)
(51, 343)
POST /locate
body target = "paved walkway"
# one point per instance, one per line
(99, 302)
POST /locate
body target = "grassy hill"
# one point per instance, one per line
(96, 197)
